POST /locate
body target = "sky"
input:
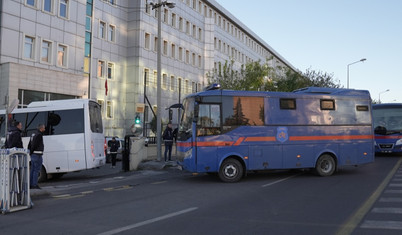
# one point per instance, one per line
(327, 35)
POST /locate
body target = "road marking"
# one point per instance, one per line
(391, 210)
(395, 185)
(159, 182)
(68, 196)
(390, 199)
(352, 222)
(123, 187)
(150, 221)
(278, 181)
(87, 192)
(396, 225)
(393, 191)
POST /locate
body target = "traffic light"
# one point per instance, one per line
(137, 120)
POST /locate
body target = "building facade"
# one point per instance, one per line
(106, 50)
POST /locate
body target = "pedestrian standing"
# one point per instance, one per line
(168, 138)
(13, 139)
(36, 148)
(114, 146)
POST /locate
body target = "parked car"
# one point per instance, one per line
(107, 148)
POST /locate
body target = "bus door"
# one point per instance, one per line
(208, 137)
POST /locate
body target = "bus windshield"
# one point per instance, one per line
(186, 119)
(387, 120)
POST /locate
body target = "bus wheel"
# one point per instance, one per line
(325, 165)
(42, 177)
(231, 171)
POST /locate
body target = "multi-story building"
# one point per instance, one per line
(107, 50)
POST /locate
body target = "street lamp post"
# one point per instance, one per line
(379, 95)
(364, 59)
(159, 71)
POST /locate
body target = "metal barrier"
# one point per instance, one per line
(14, 180)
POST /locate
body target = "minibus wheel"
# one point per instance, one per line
(42, 177)
(325, 165)
(231, 171)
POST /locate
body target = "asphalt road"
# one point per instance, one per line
(364, 200)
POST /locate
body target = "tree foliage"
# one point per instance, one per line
(262, 76)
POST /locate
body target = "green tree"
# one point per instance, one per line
(226, 76)
(261, 76)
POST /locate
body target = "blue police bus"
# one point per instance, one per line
(387, 120)
(233, 132)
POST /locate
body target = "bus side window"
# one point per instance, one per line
(209, 120)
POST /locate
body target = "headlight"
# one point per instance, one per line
(399, 142)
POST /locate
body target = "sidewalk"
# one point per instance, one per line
(152, 163)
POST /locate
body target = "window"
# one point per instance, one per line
(147, 41)
(193, 87)
(111, 33)
(29, 45)
(146, 77)
(62, 56)
(95, 117)
(147, 8)
(48, 6)
(154, 81)
(164, 81)
(193, 59)
(173, 52)
(287, 103)
(180, 23)
(327, 104)
(180, 53)
(242, 111)
(187, 27)
(101, 69)
(187, 57)
(199, 61)
(156, 44)
(110, 70)
(109, 109)
(209, 120)
(102, 30)
(172, 83)
(173, 20)
(31, 3)
(165, 15)
(194, 31)
(102, 106)
(200, 34)
(88, 44)
(165, 47)
(362, 108)
(64, 122)
(63, 10)
(46, 52)
(179, 85)
(186, 88)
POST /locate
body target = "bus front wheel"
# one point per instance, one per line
(231, 171)
(325, 165)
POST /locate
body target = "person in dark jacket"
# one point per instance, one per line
(114, 146)
(168, 138)
(14, 139)
(36, 148)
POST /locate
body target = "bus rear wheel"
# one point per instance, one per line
(42, 177)
(231, 171)
(325, 165)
